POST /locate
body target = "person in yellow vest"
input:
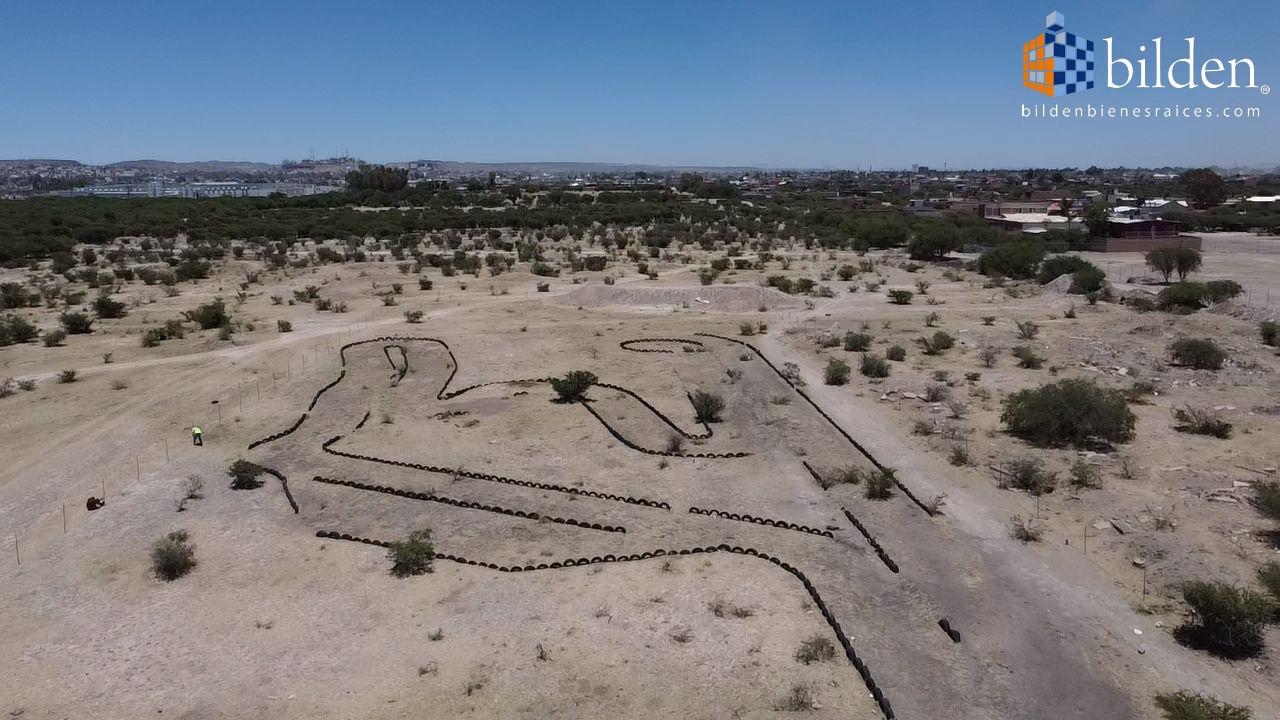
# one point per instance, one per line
(197, 436)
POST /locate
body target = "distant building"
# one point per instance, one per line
(1142, 235)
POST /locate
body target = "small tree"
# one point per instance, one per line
(900, 297)
(1070, 412)
(173, 556)
(244, 475)
(573, 386)
(1186, 261)
(836, 372)
(707, 406)
(1163, 261)
(1226, 620)
(412, 555)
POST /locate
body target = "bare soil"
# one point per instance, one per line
(277, 622)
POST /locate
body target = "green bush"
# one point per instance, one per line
(1018, 260)
(1226, 620)
(707, 406)
(1059, 265)
(816, 649)
(1027, 357)
(1267, 498)
(880, 484)
(1216, 291)
(152, 337)
(857, 342)
(900, 297)
(67, 376)
(16, 329)
(244, 475)
(1183, 705)
(284, 326)
(105, 307)
(573, 386)
(896, 353)
(173, 556)
(1201, 354)
(1269, 579)
(836, 372)
(54, 338)
(936, 344)
(76, 323)
(1089, 282)
(210, 315)
(1029, 474)
(413, 555)
(1192, 296)
(874, 367)
(1270, 330)
(1069, 412)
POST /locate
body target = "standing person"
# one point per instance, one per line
(197, 436)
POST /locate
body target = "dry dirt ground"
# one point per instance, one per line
(276, 621)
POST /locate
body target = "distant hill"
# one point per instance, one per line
(568, 168)
(197, 166)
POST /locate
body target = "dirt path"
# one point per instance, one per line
(1059, 591)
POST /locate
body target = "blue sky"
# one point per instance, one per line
(804, 84)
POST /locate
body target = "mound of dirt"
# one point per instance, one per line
(716, 298)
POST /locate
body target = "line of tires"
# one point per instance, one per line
(469, 388)
(951, 632)
(871, 540)
(761, 521)
(342, 356)
(628, 344)
(432, 497)
(403, 368)
(661, 504)
(284, 483)
(326, 388)
(863, 670)
(905, 490)
(272, 438)
(363, 420)
(662, 417)
(623, 439)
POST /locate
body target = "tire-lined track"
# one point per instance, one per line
(394, 341)
(858, 663)
(459, 472)
(433, 497)
(865, 453)
(397, 357)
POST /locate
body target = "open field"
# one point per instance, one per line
(682, 608)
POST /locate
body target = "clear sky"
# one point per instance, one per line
(814, 83)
